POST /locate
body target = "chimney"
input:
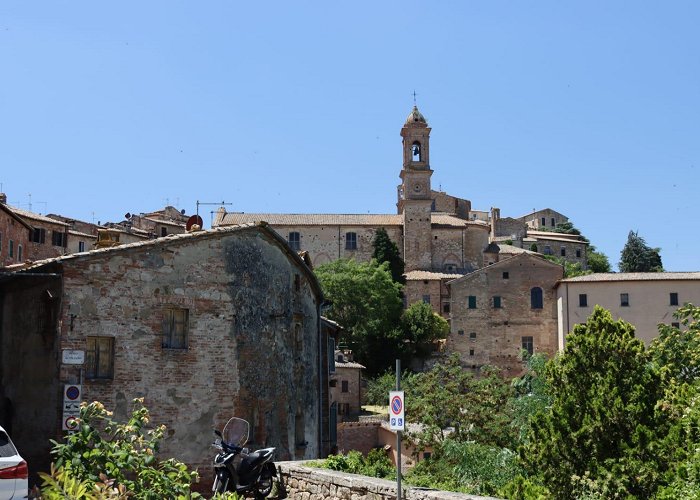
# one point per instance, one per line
(3, 198)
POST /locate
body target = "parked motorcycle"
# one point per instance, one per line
(236, 468)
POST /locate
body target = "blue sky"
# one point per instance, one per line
(589, 108)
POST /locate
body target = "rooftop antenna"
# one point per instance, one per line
(414, 97)
(207, 203)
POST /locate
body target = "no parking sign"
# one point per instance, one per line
(396, 410)
(72, 396)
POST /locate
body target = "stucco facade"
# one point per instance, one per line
(204, 326)
(643, 299)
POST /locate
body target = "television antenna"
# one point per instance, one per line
(210, 203)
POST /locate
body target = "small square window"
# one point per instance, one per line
(460, 332)
(547, 250)
(496, 302)
(446, 308)
(81, 246)
(345, 386)
(553, 222)
(674, 299)
(163, 231)
(471, 352)
(19, 253)
(472, 302)
(426, 299)
(675, 324)
(505, 275)
(99, 358)
(578, 253)
(624, 300)
(582, 300)
(58, 239)
(528, 345)
(39, 235)
(175, 326)
(562, 251)
(544, 221)
(472, 335)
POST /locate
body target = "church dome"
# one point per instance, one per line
(415, 116)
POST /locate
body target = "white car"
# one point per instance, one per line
(13, 470)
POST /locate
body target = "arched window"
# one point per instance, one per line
(536, 298)
(416, 151)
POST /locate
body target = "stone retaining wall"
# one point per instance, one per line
(307, 483)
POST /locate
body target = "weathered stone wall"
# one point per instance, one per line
(415, 290)
(252, 347)
(417, 245)
(512, 228)
(444, 202)
(327, 243)
(476, 239)
(448, 250)
(320, 484)
(497, 332)
(252, 351)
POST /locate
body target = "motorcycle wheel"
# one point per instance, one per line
(220, 482)
(264, 485)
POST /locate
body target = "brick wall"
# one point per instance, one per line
(490, 335)
(252, 346)
(11, 230)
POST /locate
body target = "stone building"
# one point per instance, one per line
(48, 238)
(346, 387)
(204, 325)
(14, 235)
(440, 238)
(502, 309)
(643, 299)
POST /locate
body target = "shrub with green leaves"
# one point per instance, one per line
(119, 457)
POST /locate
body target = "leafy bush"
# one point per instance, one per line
(375, 464)
(117, 460)
(467, 467)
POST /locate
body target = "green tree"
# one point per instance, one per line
(386, 250)
(366, 301)
(638, 257)
(597, 261)
(600, 427)
(566, 228)
(449, 401)
(571, 269)
(420, 328)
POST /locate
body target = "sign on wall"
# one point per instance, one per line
(72, 397)
(73, 357)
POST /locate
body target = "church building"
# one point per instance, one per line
(439, 236)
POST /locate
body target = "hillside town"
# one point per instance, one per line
(208, 323)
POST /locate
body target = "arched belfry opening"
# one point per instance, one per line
(416, 151)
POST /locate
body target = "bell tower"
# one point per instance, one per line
(414, 194)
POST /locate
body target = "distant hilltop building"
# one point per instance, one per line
(441, 239)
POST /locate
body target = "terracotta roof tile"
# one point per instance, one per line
(607, 277)
(232, 218)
